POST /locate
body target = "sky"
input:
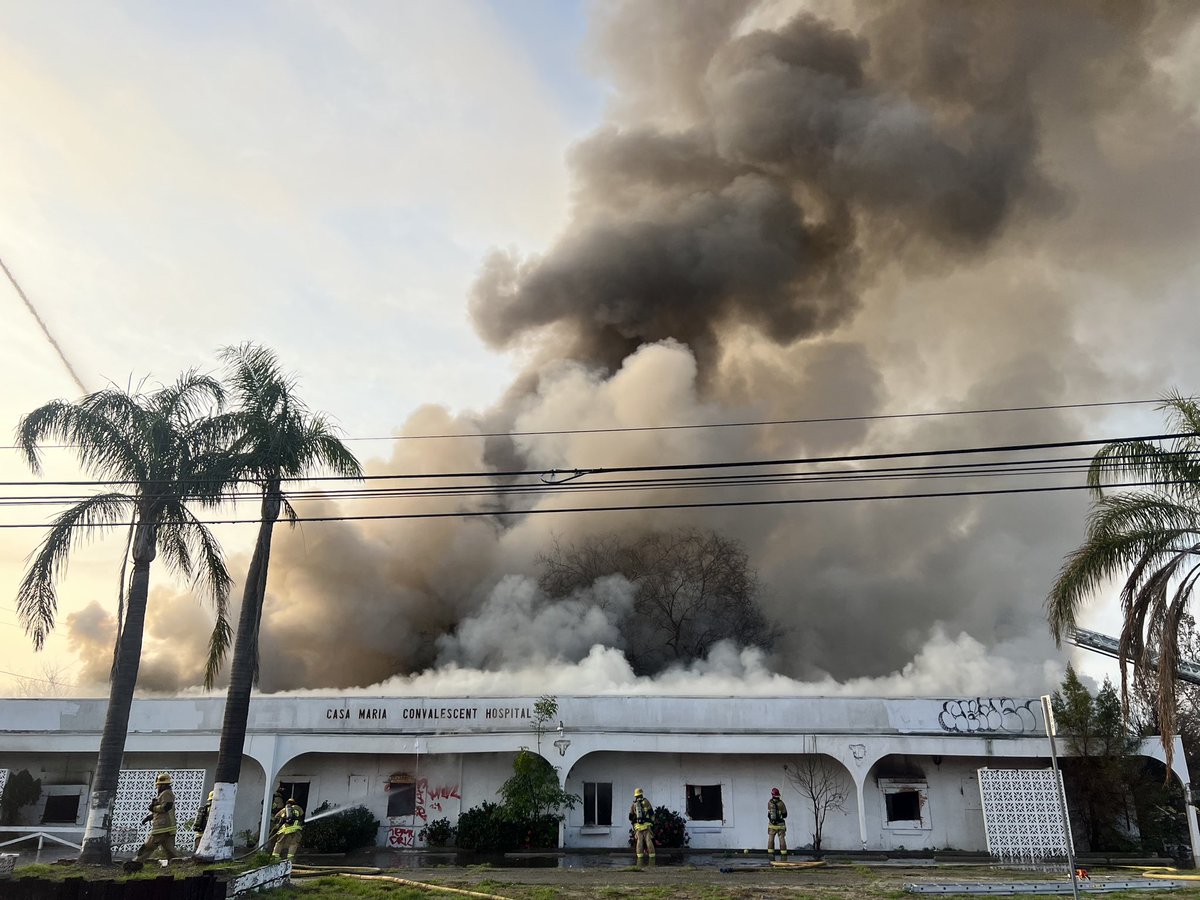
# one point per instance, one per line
(540, 215)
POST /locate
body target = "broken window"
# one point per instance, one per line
(60, 809)
(402, 799)
(704, 803)
(903, 806)
(597, 803)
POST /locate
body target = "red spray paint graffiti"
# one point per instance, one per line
(401, 837)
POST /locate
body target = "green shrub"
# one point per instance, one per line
(485, 829)
(21, 789)
(669, 829)
(439, 833)
(341, 832)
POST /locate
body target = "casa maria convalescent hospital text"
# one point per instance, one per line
(909, 768)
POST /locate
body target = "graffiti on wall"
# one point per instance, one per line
(431, 799)
(969, 715)
(401, 837)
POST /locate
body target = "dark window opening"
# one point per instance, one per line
(402, 800)
(61, 808)
(903, 806)
(295, 790)
(597, 803)
(704, 803)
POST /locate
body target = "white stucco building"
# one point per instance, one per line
(908, 767)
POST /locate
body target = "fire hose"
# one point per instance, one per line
(369, 873)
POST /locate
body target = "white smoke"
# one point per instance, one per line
(518, 625)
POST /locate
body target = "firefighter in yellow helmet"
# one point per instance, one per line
(641, 816)
(776, 824)
(202, 816)
(289, 823)
(161, 820)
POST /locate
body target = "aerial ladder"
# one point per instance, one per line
(1185, 669)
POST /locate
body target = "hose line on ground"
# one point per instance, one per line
(368, 873)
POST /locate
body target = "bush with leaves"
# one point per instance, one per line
(485, 829)
(669, 829)
(21, 789)
(533, 791)
(342, 832)
(439, 833)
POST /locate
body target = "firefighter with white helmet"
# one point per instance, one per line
(776, 824)
(641, 816)
(161, 820)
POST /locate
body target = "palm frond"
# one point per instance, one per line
(218, 646)
(190, 396)
(173, 543)
(37, 602)
(211, 575)
(97, 427)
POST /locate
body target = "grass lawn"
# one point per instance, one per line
(850, 881)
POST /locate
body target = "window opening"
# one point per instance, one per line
(597, 803)
(704, 803)
(61, 808)
(402, 799)
(903, 806)
(295, 790)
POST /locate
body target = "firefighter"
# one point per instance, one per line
(641, 815)
(776, 824)
(161, 820)
(202, 815)
(289, 824)
(277, 804)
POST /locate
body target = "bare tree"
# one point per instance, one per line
(55, 681)
(694, 588)
(819, 782)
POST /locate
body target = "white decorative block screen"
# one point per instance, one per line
(135, 790)
(3, 779)
(1021, 814)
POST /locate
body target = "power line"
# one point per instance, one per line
(669, 467)
(703, 425)
(468, 514)
(33, 678)
(960, 470)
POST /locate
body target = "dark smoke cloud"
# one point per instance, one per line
(800, 167)
(797, 212)
(174, 643)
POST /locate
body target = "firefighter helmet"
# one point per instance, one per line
(637, 792)
(210, 796)
(774, 792)
(163, 778)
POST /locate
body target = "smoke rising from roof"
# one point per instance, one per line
(787, 214)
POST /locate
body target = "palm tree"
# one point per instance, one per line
(278, 439)
(156, 451)
(1148, 533)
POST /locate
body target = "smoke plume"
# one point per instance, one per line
(797, 210)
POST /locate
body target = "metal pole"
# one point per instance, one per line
(1060, 793)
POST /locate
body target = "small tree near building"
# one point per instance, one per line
(819, 782)
(1100, 763)
(545, 708)
(532, 798)
(21, 789)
